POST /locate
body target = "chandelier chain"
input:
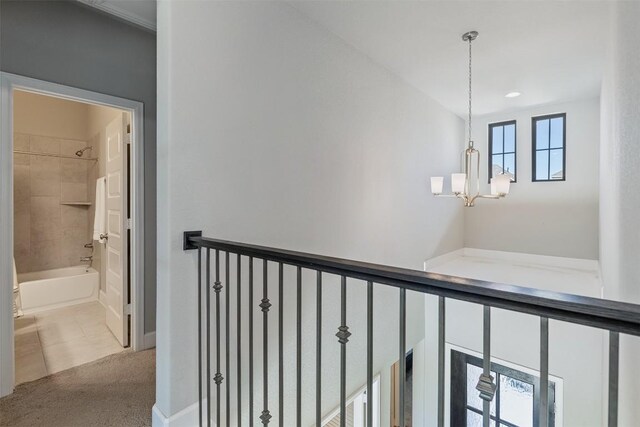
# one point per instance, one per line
(470, 90)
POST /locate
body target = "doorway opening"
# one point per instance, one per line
(408, 392)
(67, 277)
(75, 254)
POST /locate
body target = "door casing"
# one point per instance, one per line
(8, 83)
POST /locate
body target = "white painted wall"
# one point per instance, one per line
(273, 131)
(575, 352)
(619, 197)
(546, 218)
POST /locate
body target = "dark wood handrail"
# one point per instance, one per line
(595, 312)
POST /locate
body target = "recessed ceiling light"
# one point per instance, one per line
(512, 95)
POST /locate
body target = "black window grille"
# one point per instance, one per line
(549, 147)
(516, 400)
(502, 149)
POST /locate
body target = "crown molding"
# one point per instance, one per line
(120, 13)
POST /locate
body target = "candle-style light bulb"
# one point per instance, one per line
(437, 183)
(458, 180)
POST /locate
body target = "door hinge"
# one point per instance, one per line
(129, 223)
(127, 138)
(127, 310)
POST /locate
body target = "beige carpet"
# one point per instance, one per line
(118, 390)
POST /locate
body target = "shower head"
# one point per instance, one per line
(79, 153)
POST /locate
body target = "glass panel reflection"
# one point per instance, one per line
(475, 420)
(496, 164)
(557, 137)
(510, 165)
(542, 164)
(516, 401)
(556, 171)
(497, 140)
(509, 138)
(542, 134)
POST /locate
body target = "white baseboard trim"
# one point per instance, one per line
(442, 259)
(103, 298)
(534, 259)
(188, 417)
(149, 340)
(514, 257)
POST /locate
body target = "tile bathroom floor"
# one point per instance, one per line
(55, 340)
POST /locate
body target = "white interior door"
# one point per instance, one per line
(116, 224)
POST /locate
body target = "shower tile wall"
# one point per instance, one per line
(47, 233)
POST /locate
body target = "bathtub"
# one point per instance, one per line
(44, 290)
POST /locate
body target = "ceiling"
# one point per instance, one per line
(550, 51)
(139, 12)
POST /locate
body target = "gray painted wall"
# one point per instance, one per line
(69, 44)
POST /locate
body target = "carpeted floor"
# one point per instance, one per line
(118, 390)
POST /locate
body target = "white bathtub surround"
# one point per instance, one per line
(60, 287)
(55, 340)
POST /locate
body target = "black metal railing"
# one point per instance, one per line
(615, 317)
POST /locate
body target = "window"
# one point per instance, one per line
(549, 154)
(516, 400)
(502, 149)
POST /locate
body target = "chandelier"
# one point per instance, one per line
(466, 186)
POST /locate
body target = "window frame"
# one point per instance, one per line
(534, 150)
(458, 397)
(515, 148)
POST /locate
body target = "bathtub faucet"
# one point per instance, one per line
(86, 259)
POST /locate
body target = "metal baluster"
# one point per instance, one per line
(369, 354)
(217, 287)
(265, 417)
(544, 372)
(239, 337)
(441, 343)
(485, 386)
(226, 335)
(200, 336)
(614, 360)
(299, 349)
(280, 349)
(208, 311)
(402, 358)
(250, 297)
(319, 350)
(343, 338)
